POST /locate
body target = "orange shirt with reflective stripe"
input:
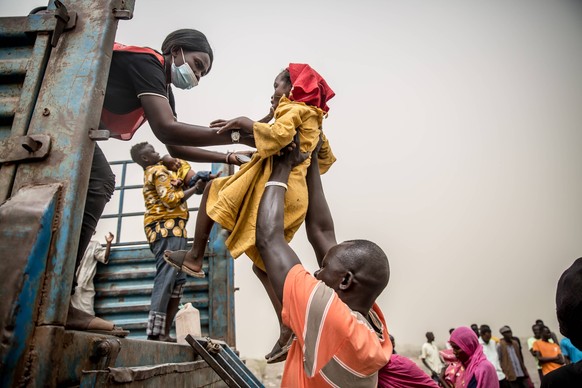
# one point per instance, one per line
(334, 345)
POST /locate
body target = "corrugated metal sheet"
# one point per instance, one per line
(124, 287)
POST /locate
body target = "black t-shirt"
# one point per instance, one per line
(131, 75)
(568, 376)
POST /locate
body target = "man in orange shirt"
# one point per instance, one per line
(340, 338)
(548, 353)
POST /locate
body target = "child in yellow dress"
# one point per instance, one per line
(299, 104)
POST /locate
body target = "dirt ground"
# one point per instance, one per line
(270, 375)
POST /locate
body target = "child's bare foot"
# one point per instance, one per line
(281, 348)
(184, 261)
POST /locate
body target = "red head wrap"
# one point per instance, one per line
(309, 87)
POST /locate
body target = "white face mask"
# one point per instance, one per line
(183, 76)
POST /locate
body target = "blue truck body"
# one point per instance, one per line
(54, 65)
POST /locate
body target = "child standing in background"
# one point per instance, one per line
(299, 104)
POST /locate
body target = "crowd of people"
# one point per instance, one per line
(502, 358)
(332, 332)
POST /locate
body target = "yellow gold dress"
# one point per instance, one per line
(233, 201)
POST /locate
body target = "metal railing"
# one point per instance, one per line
(120, 214)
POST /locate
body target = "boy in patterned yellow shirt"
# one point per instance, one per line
(165, 221)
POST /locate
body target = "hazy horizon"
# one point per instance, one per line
(457, 128)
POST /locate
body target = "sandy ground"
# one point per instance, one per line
(270, 375)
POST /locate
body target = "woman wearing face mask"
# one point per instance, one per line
(138, 90)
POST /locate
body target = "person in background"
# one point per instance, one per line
(553, 335)
(84, 294)
(165, 221)
(448, 344)
(479, 372)
(453, 368)
(430, 357)
(393, 343)
(475, 329)
(548, 353)
(493, 338)
(536, 329)
(490, 348)
(402, 372)
(81, 312)
(569, 313)
(511, 360)
(571, 353)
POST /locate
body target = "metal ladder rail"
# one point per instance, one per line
(225, 362)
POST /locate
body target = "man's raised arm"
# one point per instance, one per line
(276, 253)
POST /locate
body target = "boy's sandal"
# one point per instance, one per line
(176, 260)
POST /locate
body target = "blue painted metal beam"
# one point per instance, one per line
(65, 109)
(26, 226)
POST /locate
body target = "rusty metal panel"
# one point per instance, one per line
(74, 79)
(190, 374)
(23, 58)
(81, 357)
(83, 351)
(53, 101)
(26, 229)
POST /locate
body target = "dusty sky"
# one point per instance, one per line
(457, 128)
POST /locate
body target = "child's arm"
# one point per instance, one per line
(170, 196)
(268, 117)
(325, 156)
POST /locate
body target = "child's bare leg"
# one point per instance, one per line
(284, 331)
(195, 256)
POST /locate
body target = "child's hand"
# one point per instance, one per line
(291, 155)
(212, 176)
(268, 117)
(109, 237)
(319, 144)
(176, 182)
(243, 123)
(200, 184)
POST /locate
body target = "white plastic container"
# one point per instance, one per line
(187, 322)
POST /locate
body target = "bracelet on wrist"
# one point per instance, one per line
(275, 183)
(228, 157)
